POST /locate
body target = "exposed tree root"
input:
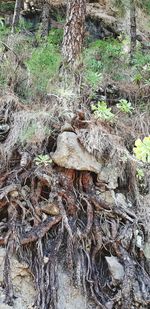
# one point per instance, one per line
(51, 214)
(86, 230)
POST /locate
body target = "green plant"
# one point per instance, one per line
(43, 66)
(139, 174)
(125, 106)
(100, 58)
(142, 149)
(3, 29)
(24, 25)
(93, 79)
(137, 78)
(42, 160)
(102, 111)
(55, 36)
(8, 6)
(141, 59)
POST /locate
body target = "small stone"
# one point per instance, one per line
(121, 200)
(116, 269)
(46, 259)
(50, 209)
(109, 175)
(108, 197)
(14, 194)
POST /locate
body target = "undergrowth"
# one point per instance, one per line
(43, 66)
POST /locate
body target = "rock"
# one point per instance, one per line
(108, 197)
(147, 250)
(121, 200)
(115, 268)
(50, 209)
(99, 24)
(70, 297)
(109, 175)
(22, 282)
(67, 128)
(71, 154)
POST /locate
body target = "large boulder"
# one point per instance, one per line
(72, 155)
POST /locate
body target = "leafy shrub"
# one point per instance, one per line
(3, 29)
(102, 57)
(93, 79)
(139, 174)
(141, 59)
(142, 149)
(43, 66)
(125, 106)
(137, 78)
(55, 36)
(7, 6)
(24, 25)
(102, 111)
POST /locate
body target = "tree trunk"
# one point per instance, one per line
(17, 10)
(132, 28)
(74, 31)
(45, 19)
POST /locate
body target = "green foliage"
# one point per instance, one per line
(141, 68)
(93, 79)
(101, 58)
(102, 111)
(137, 78)
(125, 106)
(141, 59)
(145, 5)
(43, 160)
(139, 174)
(4, 31)
(7, 6)
(43, 66)
(55, 37)
(24, 25)
(121, 6)
(142, 149)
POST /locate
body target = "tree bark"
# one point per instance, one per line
(17, 10)
(45, 19)
(74, 31)
(132, 28)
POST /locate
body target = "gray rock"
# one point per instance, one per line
(147, 249)
(108, 197)
(109, 174)
(121, 200)
(68, 296)
(22, 283)
(115, 268)
(71, 154)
